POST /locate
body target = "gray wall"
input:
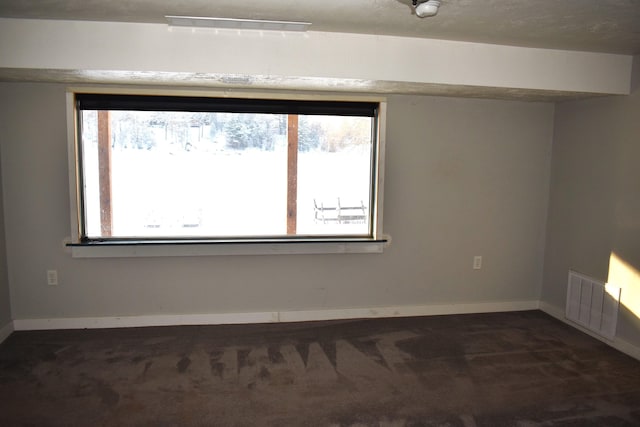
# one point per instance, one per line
(5, 302)
(463, 177)
(594, 207)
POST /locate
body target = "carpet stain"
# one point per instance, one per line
(108, 396)
(275, 356)
(183, 364)
(146, 368)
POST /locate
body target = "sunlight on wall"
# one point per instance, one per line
(626, 277)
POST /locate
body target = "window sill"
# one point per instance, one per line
(141, 248)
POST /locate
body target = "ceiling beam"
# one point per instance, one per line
(255, 56)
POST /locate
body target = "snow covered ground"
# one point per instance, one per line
(219, 192)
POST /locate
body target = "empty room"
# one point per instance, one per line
(363, 213)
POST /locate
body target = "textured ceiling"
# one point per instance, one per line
(587, 25)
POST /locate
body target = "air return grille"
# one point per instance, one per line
(592, 304)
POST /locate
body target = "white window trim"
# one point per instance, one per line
(146, 248)
(230, 248)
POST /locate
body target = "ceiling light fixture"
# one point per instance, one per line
(426, 8)
(237, 24)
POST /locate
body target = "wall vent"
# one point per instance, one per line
(592, 304)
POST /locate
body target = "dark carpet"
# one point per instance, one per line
(519, 369)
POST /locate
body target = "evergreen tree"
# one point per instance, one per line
(310, 134)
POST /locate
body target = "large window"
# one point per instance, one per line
(191, 168)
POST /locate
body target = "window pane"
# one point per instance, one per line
(178, 174)
(334, 175)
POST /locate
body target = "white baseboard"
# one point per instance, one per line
(405, 311)
(619, 344)
(269, 317)
(5, 331)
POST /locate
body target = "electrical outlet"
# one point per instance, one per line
(477, 262)
(52, 277)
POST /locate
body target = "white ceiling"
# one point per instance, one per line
(587, 25)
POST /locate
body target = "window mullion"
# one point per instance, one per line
(104, 174)
(292, 173)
